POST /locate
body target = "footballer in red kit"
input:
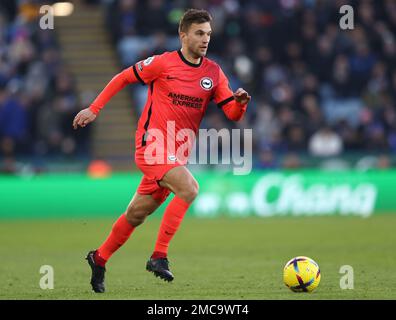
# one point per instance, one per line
(181, 85)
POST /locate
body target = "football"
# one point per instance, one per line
(301, 274)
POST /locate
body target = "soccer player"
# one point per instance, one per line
(181, 85)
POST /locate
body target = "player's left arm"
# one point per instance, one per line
(233, 104)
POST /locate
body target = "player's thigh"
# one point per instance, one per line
(141, 205)
(179, 180)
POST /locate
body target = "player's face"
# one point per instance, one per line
(197, 38)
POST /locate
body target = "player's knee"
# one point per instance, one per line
(136, 220)
(190, 193)
(135, 216)
(195, 190)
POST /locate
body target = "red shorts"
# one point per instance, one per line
(153, 173)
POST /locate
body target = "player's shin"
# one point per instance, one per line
(119, 234)
(173, 216)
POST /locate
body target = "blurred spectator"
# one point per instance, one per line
(266, 160)
(292, 161)
(325, 143)
(384, 162)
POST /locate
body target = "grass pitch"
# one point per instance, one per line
(211, 259)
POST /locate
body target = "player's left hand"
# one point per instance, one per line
(241, 96)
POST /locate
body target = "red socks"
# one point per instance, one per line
(120, 233)
(171, 220)
(122, 229)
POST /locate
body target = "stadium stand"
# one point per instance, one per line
(312, 83)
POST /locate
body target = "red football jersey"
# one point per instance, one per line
(179, 93)
(178, 96)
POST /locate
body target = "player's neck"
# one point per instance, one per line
(189, 57)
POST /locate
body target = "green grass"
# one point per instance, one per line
(211, 259)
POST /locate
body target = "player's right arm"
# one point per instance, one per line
(143, 72)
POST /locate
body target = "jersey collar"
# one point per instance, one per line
(195, 65)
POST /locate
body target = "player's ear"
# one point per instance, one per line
(182, 35)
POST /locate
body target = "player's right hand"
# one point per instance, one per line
(84, 117)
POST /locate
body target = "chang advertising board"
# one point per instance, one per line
(278, 194)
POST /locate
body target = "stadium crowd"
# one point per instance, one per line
(37, 95)
(317, 90)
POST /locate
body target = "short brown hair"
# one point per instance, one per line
(193, 16)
